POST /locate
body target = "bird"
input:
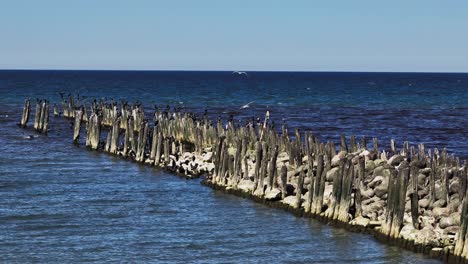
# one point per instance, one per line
(246, 105)
(240, 73)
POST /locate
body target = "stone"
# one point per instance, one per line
(377, 205)
(283, 157)
(454, 204)
(422, 179)
(364, 153)
(452, 220)
(425, 171)
(379, 162)
(423, 192)
(209, 167)
(439, 192)
(381, 186)
(395, 160)
(408, 232)
(336, 159)
(425, 235)
(207, 157)
(438, 204)
(360, 221)
(451, 230)
(424, 203)
(376, 181)
(369, 193)
(208, 149)
(427, 221)
(187, 156)
(290, 200)
(441, 211)
(331, 174)
(454, 186)
(245, 186)
(370, 166)
(378, 171)
(273, 194)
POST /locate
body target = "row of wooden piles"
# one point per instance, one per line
(158, 139)
(270, 159)
(311, 159)
(41, 115)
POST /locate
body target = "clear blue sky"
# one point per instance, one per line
(372, 35)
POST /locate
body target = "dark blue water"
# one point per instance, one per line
(429, 108)
(60, 203)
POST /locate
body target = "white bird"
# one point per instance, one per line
(240, 73)
(246, 105)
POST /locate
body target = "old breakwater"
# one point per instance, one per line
(360, 187)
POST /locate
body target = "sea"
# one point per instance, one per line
(60, 203)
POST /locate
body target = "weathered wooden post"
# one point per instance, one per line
(310, 174)
(463, 180)
(398, 185)
(41, 116)
(265, 123)
(95, 131)
(346, 188)
(131, 134)
(108, 140)
(414, 171)
(391, 202)
(460, 244)
(246, 168)
(26, 111)
(352, 143)
(299, 189)
(344, 146)
(318, 178)
(142, 137)
(363, 143)
(166, 151)
(64, 106)
(272, 168)
(284, 181)
(45, 121)
(154, 143)
(77, 127)
(433, 162)
(332, 211)
(115, 135)
(159, 147)
(258, 162)
(56, 111)
(321, 187)
(71, 106)
(359, 185)
(263, 170)
(37, 114)
(126, 137)
(393, 147)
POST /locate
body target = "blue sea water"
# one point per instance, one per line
(61, 203)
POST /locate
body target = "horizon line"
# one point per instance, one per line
(225, 70)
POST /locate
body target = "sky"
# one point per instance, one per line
(358, 35)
